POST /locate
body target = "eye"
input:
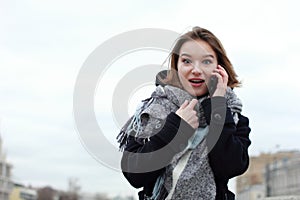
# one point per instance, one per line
(186, 61)
(207, 62)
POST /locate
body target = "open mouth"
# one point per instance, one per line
(196, 81)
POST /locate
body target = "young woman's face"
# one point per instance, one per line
(196, 62)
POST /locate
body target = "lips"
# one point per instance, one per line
(196, 82)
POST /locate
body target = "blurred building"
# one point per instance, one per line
(252, 184)
(253, 192)
(6, 183)
(47, 193)
(283, 177)
(103, 196)
(21, 192)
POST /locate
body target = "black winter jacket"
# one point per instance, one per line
(228, 156)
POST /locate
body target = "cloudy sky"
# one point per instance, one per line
(43, 45)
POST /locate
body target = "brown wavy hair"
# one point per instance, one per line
(198, 33)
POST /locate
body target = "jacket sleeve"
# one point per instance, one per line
(228, 142)
(173, 137)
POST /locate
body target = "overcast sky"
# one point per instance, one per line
(43, 45)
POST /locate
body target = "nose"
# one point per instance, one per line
(196, 70)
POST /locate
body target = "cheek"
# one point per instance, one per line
(207, 71)
(183, 73)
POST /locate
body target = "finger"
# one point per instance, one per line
(219, 76)
(220, 70)
(185, 104)
(220, 67)
(193, 103)
(223, 72)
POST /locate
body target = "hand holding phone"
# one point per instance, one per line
(217, 83)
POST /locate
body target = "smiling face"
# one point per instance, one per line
(196, 62)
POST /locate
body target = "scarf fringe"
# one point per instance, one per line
(133, 125)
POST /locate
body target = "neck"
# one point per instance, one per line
(199, 97)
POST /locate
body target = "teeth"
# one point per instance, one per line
(196, 81)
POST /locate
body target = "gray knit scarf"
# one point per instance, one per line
(189, 175)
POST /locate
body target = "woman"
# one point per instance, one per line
(187, 141)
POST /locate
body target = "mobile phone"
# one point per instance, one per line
(212, 84)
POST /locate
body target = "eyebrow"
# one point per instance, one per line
(185, 54)
(207, 55)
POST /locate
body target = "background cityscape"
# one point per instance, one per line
(43, 45)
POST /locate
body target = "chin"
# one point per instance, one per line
(200, 93)
(196, 93)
